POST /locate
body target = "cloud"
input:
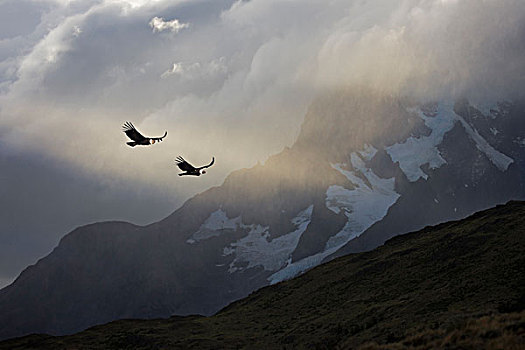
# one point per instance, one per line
(430, 48)
(240, 80)
(197, 70)
(175, 69)
(159, 25)
(76, 31)
(181, 68)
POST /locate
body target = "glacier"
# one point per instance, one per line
(417, 151)
(214, 225)
(500, 160)
(363, 206)
(257, 250)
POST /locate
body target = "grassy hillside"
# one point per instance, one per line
(457, 285)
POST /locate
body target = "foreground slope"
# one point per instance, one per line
(460, 283)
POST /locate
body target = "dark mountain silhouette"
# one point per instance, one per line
(365, 167)
(457, 285)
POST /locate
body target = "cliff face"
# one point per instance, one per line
(365, 167)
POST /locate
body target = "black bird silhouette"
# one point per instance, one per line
(138, 138)
(190, 169)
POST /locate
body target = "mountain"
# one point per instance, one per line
(365, 167)
(457, 285)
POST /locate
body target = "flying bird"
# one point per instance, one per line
(138, 138)
(190, 169)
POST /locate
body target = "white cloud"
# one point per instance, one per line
(238, 84)
(175, 69)
(180, 68)
(76, 31)
(158, 24)
(197, 70)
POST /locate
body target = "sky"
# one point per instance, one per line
(228, 79)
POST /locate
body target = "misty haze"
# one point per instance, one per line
(324, 133)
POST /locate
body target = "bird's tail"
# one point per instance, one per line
(131, 144)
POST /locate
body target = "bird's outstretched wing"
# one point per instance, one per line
(132, 133)
(209, 165)
(160, 138)
(184, 165)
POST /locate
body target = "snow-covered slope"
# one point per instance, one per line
(363, 205)
(417, 151)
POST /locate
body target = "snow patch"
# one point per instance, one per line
(257, 250)
(215, 225)
(296, 268)
(500, 160)
(488, 108)
(364, 205)
(368, 153)
(417, 151)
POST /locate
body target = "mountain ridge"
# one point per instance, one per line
(309, 203)
(420, 289)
